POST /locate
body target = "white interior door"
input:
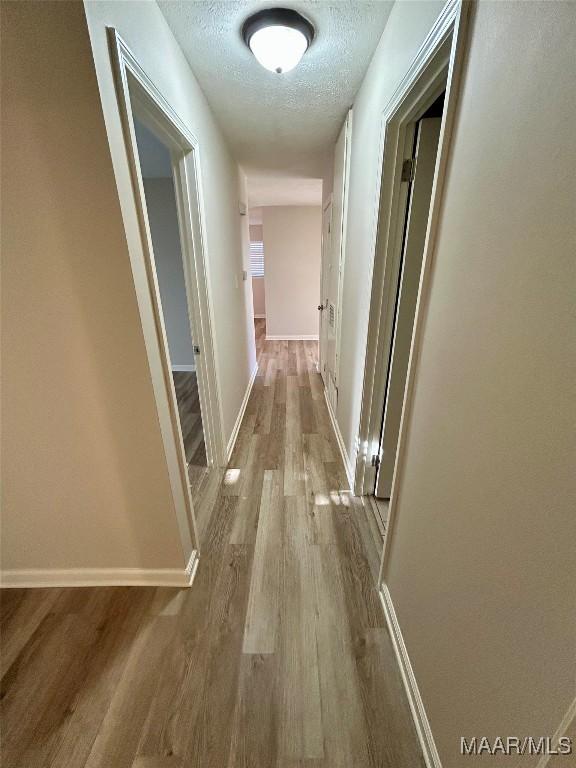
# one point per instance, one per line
(424, 163)
(324, 280)
(331, 309)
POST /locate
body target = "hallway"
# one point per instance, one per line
(365, 557)
(278, 655)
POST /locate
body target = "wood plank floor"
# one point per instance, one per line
(278, 655)
(187, 397)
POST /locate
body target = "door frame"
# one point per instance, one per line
(423, 168)
(436, 67)
(137, 95)
(343, 234)
(324, 261)
(338, 257)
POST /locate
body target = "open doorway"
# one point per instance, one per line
(257, 267)
(156, 170)
(168, 263)
(285, 245)
(418, 176)
(415, 136)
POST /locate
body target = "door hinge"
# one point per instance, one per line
(375, 460)
(408, 170)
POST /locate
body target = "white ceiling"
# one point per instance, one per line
(281, 128)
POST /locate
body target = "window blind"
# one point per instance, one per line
(257, 258)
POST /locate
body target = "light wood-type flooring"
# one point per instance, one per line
(187, 397)
(276, 657)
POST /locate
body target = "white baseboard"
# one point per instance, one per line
(238, 424)
(431, 756)
(341, 445)
(313, 337)
(260, 317)
(102, 577)
(190, 367)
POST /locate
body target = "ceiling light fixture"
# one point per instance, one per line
(278, 38)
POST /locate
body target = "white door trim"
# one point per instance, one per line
(439, 63)
(423, 167)
(429, 73)
(437, 66)
(451, 28)
(338, 225)
(137, 94)
(343, 232)
(323, 299)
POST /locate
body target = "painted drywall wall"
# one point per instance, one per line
(254, 215)
(482, 563)
(292, 242)
(144, 28)
(163, 218)
(259, 296)
(407, 26)
(84, 477)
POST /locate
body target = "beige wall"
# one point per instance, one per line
(482, 570)
(84, 475)
(259, 296)
(143, 27)
(292, 240)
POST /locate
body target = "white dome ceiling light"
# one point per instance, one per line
(278, 38)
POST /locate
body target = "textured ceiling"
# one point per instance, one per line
(279, 127)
